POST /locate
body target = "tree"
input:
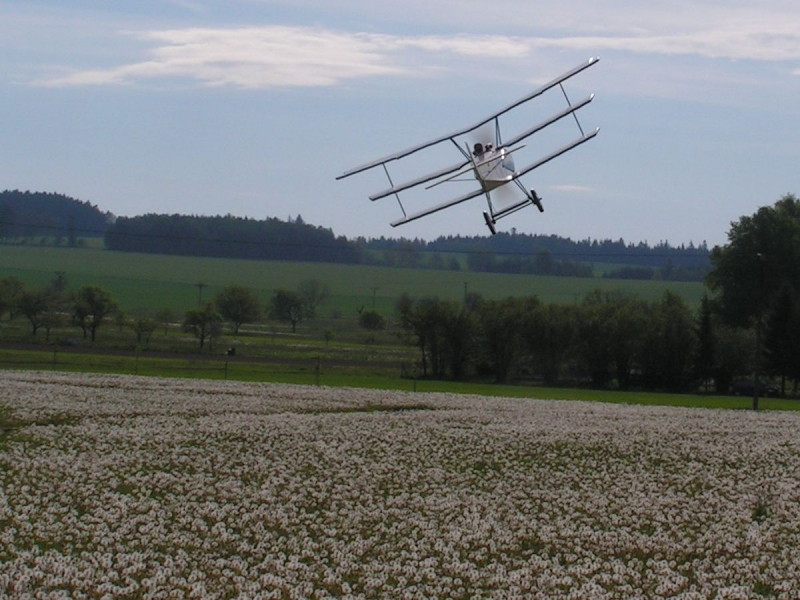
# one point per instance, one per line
(144, 328)
(204, 322)
(669, 342)
(593, 335)
(629, 320)
(287, 305)
(91, 305)
(10, 290)
(165, 317)
(763, 252)
(238, 305)
(460, 337)
(441, 330)
(705, 360)
(500, 324)
(33, 305)
(734, 352)
(313, 292)
(782, 335)
(548, 335)
(371, 320)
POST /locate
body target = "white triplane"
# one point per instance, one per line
(491, 163)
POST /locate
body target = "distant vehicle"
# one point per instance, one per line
(490, 161)
(746, 387)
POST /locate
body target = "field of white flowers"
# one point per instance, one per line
(118, 486)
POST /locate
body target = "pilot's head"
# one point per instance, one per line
(477, 148)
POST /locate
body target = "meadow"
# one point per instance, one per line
(116, 486)
(145, 282)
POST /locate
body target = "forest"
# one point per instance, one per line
(33, 217)
(28, 215)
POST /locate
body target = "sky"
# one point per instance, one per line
(254, 107)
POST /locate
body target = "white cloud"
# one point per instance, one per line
(284, 56)
(572, 189)
(247, 58)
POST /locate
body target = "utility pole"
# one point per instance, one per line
(200, 287)
(374, 291)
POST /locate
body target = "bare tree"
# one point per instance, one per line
(313, 292)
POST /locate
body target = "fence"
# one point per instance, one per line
(299, 370)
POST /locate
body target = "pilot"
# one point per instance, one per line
(477, 149)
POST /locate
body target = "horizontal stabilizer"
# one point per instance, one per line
(437, 208)
(557, 153)
(418, 181)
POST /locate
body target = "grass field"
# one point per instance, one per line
(313, 368)
(145, 282)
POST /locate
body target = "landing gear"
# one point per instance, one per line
(489, 222)
(536, 200)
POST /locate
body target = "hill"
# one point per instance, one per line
(228, 237)
(40, 214)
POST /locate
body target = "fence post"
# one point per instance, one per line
(226, 368)
(55, 358)
(318, 369)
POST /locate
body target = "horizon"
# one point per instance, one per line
(289, 219)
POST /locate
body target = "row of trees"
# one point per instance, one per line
(91, 306)
(238, 305)
(607, 338)
(55, 305)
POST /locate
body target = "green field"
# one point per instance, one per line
(146, 282)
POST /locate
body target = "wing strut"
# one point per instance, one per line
(574, 112)
(391, 183)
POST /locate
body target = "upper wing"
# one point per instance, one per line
(460, 132)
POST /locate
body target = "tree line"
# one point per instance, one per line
(59, 219)
(91, 307)
(606, 340)
(228, 237)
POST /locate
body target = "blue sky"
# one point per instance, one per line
(253, 107)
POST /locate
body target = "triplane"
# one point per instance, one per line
(491, 162)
